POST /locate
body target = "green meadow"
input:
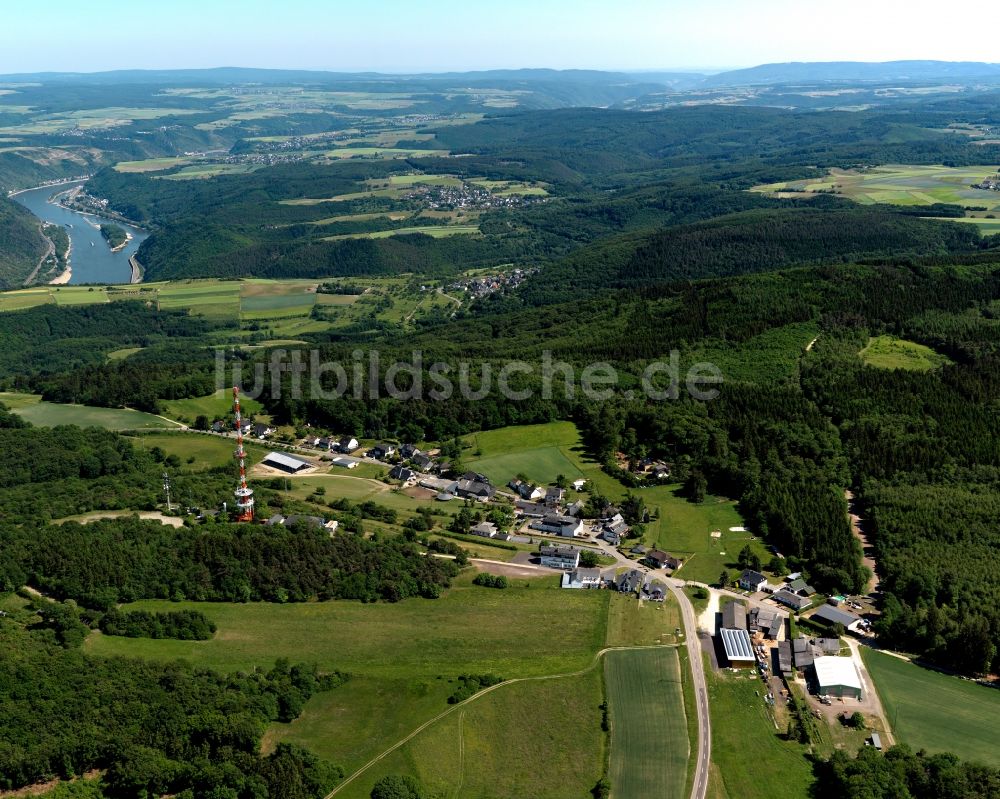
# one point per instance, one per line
(937, 712)
(31, 408)
(748, 747)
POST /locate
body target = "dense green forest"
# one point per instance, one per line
(901, 774)
(153, 728)
(21, 244)
(114, 235)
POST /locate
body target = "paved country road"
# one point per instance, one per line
(704, 755)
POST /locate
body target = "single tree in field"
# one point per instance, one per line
(724, 578)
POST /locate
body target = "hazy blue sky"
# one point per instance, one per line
(435, 35)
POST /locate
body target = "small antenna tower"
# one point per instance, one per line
(243, 493)
(166, 488)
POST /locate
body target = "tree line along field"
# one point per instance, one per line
(937, 712)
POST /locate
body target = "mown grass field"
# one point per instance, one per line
(933, 711)
(541, 452)
(747, 750)
(889, 352)
(532, 629)
(900, 184)
(31, 408)
(539, 738)
(649, 732)
(631, 623)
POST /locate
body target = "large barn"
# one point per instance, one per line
(836, 676)
(286, 463)
(739, 651)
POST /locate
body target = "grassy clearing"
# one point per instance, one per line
(122, 354)
(889, 352)
(746, 747)
(649, 733)
(541, 452)
(213, 406)
(531, 629)
(50, 414)
(207, 452)
(394, 216)
(933, 711)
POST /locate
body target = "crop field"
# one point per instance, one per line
(393, 194)
(27, 298)
(50, 414)
(900, 185)
(649, 734)
(744, 737)
(511, 188)
(933, 711)
(889, 352)
(987, 227)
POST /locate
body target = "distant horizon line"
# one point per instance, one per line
(692, 70)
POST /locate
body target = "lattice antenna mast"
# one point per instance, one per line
(166, 488)
(243, 493)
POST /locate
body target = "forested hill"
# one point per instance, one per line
(748, 242)
(21, 244)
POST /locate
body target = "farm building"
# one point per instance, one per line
(752, 581)
(837, 676)
(345, 463)
(767, 621)
(827, 614)
(286, 463)
(803, 653)
(734, 616)
(739, 651)
(794, 601)
(785, 657)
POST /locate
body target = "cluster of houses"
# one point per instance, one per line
(345, 445)
(632, 581)
(258, 430)
(484, 285)
(796, 594)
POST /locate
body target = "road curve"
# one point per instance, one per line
(704, 755)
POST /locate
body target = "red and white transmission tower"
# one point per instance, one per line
(243, 494)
